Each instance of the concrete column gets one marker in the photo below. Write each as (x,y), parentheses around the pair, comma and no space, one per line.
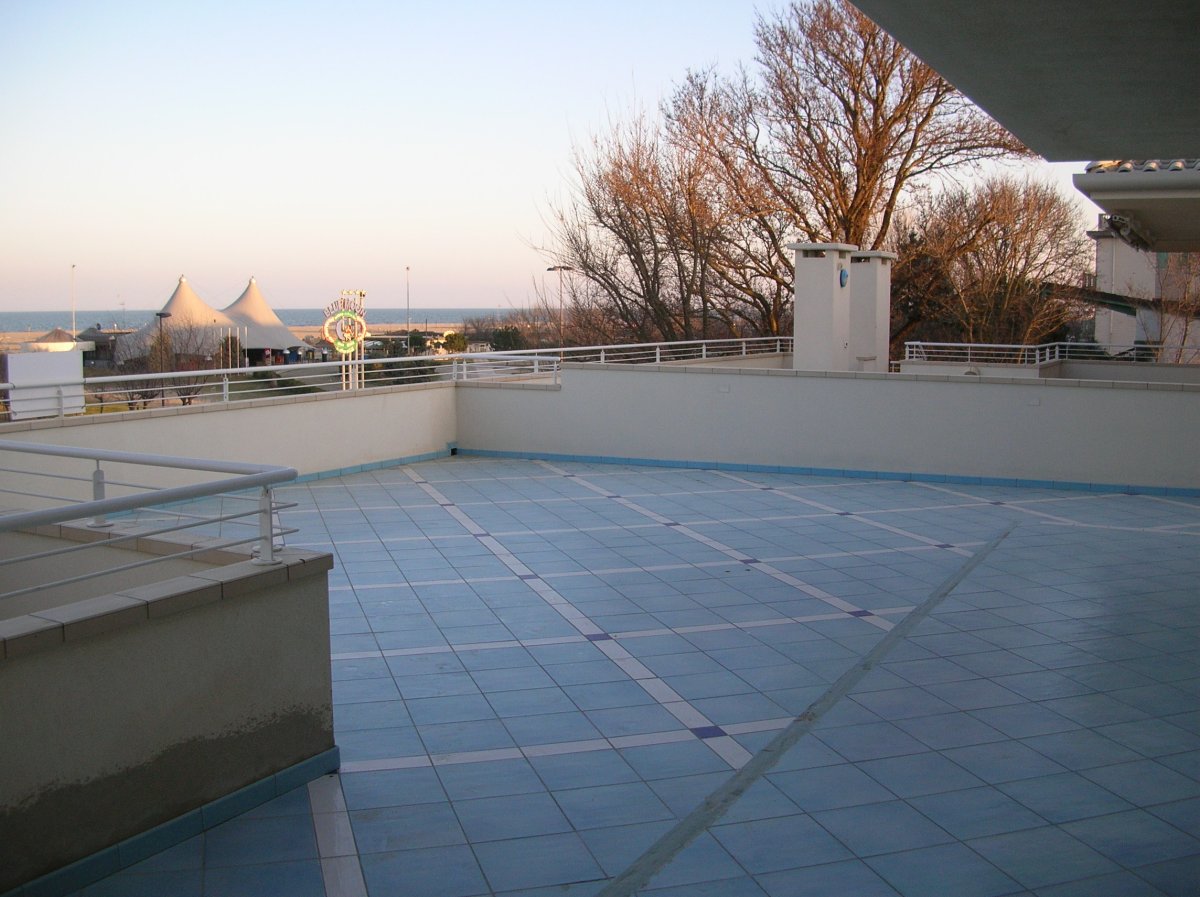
(870,310)
(822,307)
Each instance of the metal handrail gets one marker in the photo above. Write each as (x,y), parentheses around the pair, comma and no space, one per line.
(146,391)
(245,476)
(1044,353)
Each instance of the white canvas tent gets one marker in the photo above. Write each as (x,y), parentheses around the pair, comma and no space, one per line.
(196,328)
(260,326)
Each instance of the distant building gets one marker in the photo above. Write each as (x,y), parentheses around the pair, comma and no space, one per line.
(57,340)
(104,343)
(1144,297)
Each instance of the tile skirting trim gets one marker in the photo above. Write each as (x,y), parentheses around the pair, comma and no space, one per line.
(133,850)
(915,477)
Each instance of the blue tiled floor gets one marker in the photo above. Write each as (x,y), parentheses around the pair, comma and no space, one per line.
(542,671)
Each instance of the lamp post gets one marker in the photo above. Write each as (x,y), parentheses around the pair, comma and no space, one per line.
(162,390)
(561,269)
(407,314)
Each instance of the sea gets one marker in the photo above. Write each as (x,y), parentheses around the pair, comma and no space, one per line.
(131,319)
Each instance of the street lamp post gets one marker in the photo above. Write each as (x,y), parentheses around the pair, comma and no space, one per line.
(561,269)
(407,314)
(162,363)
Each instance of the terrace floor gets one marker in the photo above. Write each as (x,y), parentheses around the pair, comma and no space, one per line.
(580,679)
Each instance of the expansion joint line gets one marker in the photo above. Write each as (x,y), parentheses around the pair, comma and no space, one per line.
(713,807)
(717,740)
(1056,520)
(741,557)
(820,506)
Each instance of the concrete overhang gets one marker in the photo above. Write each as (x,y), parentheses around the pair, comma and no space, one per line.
(1159,207)
(1074,80)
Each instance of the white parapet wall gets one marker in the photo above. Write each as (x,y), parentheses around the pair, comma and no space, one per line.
(1067,431)
(313,433)
(1058,430)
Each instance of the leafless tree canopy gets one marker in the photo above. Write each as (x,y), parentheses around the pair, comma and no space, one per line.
(678,225)
(995,264)
(1179,306)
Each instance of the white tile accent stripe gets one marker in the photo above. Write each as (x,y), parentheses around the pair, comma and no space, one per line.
(341,870)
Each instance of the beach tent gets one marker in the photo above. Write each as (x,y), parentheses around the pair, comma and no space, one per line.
(194,326)
(260,327)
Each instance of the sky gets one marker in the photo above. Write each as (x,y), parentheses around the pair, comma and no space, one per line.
(319,147)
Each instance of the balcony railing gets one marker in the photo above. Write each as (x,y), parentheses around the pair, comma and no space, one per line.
(237,509)
(1002,353)
(140,392)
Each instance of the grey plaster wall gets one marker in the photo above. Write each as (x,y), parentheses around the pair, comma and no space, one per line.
(106,735)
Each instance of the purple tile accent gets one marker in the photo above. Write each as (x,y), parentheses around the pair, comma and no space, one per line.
(995,502)
(672,523)
(600,637)
(481,534)
(766,488)
(861,613)
(944,545)
(845,513)
(527,576)
(445,504)
(751,561)
(708,731)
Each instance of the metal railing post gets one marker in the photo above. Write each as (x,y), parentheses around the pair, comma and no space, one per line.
(658,354)
(100,520)
(704,350)
(266,529)
(58,397)
(225,389)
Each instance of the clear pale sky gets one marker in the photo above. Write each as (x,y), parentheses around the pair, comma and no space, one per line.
(316,146)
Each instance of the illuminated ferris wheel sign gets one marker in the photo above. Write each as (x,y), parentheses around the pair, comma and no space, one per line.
(346,321)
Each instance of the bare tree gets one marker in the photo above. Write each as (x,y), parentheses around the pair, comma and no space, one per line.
(188,349)
(1178,303)
(850,118)
(993,264)
(678,226)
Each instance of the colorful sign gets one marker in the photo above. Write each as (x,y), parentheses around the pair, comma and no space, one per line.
(346,322)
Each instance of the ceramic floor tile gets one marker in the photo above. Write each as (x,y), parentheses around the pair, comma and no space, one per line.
(536,862)
(787,842)
(881,828)
(431,872)
(1134,838)
(510,816)
(1039,725)
(1040,857)
(944,869)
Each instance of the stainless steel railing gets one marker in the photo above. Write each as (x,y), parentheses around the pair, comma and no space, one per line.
(1003,353)
(64,484)
(176,389)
